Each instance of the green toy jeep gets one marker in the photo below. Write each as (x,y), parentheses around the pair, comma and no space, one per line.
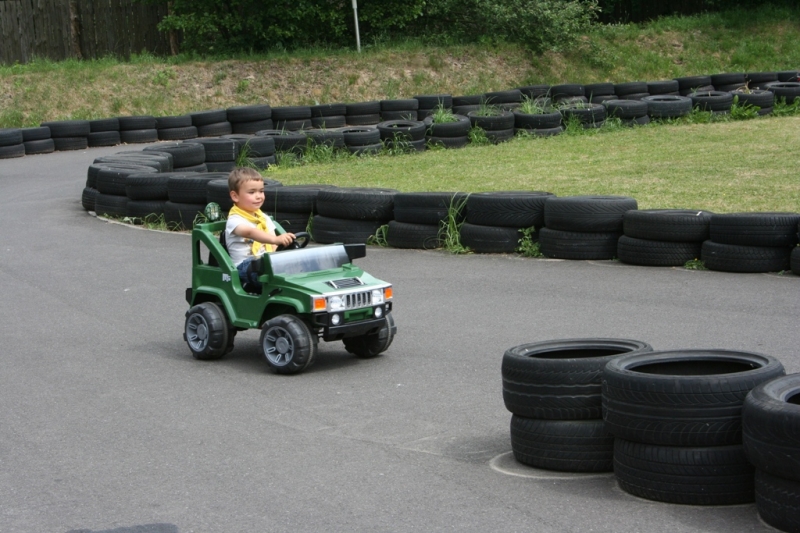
(306,294)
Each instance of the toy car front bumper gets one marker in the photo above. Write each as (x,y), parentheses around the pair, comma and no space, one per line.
(355,328)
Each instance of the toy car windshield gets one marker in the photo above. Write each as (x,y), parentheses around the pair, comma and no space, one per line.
(308,259)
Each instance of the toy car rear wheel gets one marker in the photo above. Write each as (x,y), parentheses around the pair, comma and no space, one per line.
(287,344)
(371,345)
(206,331)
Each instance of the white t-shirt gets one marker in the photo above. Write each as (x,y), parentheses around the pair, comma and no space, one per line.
(240,248)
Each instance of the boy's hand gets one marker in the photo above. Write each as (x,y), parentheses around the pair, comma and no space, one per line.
(285,239)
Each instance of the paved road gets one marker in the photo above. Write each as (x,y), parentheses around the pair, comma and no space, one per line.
(108,424)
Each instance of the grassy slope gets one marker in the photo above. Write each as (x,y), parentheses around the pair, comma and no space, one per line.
(734,41)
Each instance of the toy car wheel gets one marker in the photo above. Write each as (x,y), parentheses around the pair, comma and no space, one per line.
(287,344)
(366,346)
(206,331)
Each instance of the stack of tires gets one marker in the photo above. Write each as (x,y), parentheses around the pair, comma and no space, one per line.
(667,105)
(188,197)
(677,421)
(448,134)
(630,112)
(250,119)
(692,84)
(212,123)
(429,102)
(186,157)
(509,100)
(420,216)
(176,128)
(220,153)
(11,143)
(498,127)
(633,90)
(401,134)
(351,215)
(495,219)
(110,180)
(762,99)
(789,91)
(259,150)
(663,87)
(462,105)
(363,113)
(292,118)
(362,140)
(138,129)
(37,140)
(328,116)
(405,109)
(771,438)
(728,81)
(69,134)
(583,227)
(553,390)
(543,124)
(325,137)
(568,93)
(104,132)
(599,93)
(292,207)
(717,102)
(760,80)
(750,242)
(588,115)
(662,237)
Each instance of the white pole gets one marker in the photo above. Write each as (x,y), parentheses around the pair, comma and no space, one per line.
(358,36)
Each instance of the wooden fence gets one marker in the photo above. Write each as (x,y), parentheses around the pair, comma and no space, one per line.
(87,29)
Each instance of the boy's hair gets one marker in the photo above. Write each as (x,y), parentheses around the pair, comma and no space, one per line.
(239,175)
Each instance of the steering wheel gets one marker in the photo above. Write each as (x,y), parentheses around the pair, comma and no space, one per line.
(301,240)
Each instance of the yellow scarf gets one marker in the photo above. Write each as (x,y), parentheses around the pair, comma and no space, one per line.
(260,220)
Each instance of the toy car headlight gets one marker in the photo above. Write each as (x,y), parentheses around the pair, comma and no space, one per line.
(377,296)
(336,303)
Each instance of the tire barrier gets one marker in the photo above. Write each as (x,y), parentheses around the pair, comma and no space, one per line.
(553,390)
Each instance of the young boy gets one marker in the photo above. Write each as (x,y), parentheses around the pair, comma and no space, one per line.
(249,233)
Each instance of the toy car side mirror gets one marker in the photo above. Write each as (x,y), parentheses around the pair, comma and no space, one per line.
(355,251)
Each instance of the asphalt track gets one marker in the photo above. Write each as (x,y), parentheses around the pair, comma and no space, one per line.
(108,424)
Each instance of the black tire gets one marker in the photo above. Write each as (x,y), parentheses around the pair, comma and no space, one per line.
(755,229)
(175,121)
(668,106)
(143,122)
(328,110)
(148,186)
(111,205)
(138,136)
(327,230)
(35,134)
(206,331)
(728,78)
(490,239)
(11,137)
(373,344)
(771,427)
(467,100)
(68,128)
(756,79)
(254,146)
(428,208)
(112,180)
(778,501)
(408,114)
(142,210)
(690,83)
(248,113)
(736,258)
(161,162)
(331,138)
(717,475)
(63,144)
(196,168)
(567,90)
(399,105)
(656,253)
(458,129)
(183,154)
(413,236)
(361,136)
(293,199)
(95,168)
(286,141)
(356,203)
(291,222)
(630,87)
(336,121)
(180,216)
(43,146)
(559,244)
(363,108)
(431,101)
(788,90)
(634,97)
(250,128)
(221,166)
(287,344)
(204,118)
(404,130)
(562,445)
(191,188)
(535,91)
(217,129)
(363,120)
(794,259)
(663,87)
(789,75)
(758,98)
(673,225)
(447,142)
(291,113)
(561,379)
(626,109)
(88,197)
(503,121)
(587,114)
(15,150)
(177,134)
(512,209)
(682,397)
(592,90)
(218,149)
(712,100)
(104,138)
(587,213)
(465,109)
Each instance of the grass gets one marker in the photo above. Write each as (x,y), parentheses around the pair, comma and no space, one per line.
(767,38)
(721,166)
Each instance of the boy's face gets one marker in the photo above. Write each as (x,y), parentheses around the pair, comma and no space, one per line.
(250,195)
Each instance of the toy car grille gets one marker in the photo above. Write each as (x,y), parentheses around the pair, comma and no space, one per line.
(358,299)
(344,283)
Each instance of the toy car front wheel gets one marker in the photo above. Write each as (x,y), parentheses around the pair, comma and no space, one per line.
(366,346)
(206,331)
(287,344)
